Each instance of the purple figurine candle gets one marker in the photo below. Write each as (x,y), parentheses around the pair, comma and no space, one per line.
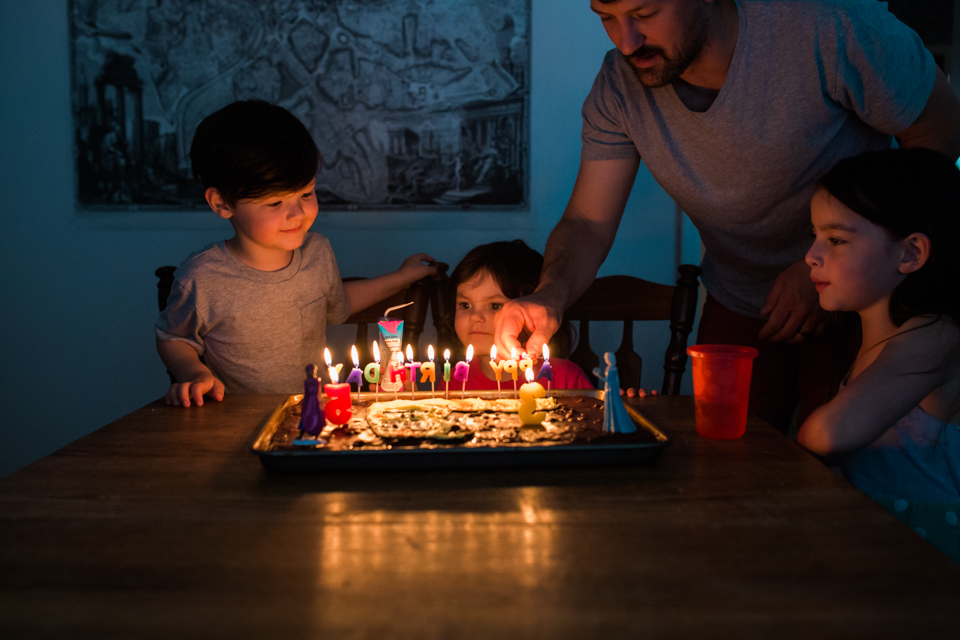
(311,414)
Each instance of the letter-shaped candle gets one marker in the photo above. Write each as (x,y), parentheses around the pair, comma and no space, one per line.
(528,401)
(356,375)
(372,371)
(446,372)
(338,402)
(462,371)
(412,367)
(546,371)
(428,371)
(510,366)
(497,367)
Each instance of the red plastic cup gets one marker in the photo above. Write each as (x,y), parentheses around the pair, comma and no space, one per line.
(721,388)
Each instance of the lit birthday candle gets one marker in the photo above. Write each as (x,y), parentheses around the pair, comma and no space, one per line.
(528,400)
(412,367)
(446,372)
(497,367)
(510,366)
(524,364)
(399,374)
(546,371)
(372,371)
(428,371)
(462,371)
(338,395)
(356,374)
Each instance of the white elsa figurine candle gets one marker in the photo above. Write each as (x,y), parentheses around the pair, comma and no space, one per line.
(615,416)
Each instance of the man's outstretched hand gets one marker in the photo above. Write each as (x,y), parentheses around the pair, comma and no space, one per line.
(793,307)
(534,316)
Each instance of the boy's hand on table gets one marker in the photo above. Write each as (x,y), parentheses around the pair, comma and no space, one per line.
(181,394)
(413,268)
(793,307)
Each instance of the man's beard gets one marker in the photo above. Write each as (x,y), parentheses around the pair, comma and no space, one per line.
(673,67)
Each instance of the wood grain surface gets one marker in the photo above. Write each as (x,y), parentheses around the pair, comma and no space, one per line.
(164,525)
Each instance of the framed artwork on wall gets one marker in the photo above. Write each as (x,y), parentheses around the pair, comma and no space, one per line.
(414,105)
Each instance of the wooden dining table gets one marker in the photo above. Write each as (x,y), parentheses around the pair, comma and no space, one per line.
(163,524)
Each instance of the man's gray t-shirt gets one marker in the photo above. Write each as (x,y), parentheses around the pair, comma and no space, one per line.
(257,330)
(810,82)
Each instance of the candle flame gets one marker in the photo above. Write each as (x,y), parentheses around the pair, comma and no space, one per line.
(469,353)
(334,375)
(493,353)
(513,353)
(376,352)
(326,356)
(409,353)
(400,357)
(446,355)
(356,358)
(529,374)
(430,352)
(546,353)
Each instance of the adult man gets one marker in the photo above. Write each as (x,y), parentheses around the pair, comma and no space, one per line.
(737,107)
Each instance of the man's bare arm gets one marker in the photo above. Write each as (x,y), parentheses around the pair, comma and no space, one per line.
(938,126)
(577,247)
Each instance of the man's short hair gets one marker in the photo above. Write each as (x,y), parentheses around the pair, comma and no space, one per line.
(251,149)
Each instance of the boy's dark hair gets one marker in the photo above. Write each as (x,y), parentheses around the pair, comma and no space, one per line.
(909,191)
(251,149)
(516,269)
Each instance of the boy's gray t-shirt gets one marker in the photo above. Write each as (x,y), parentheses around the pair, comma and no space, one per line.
(810,82)
(257,330)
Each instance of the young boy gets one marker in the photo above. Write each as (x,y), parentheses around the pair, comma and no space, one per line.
(256,306)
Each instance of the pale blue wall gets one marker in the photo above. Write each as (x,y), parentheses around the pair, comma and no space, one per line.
(78,291)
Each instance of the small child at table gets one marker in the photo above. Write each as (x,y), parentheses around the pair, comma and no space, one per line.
(887,227)
(486,278)
(256,306)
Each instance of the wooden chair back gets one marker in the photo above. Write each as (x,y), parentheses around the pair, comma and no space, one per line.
(627,299)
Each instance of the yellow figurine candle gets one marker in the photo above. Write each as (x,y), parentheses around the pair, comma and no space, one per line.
(528,401)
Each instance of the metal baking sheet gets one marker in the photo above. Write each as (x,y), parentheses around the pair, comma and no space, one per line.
(589,454)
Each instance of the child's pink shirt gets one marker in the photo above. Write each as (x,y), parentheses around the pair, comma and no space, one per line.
(566,375)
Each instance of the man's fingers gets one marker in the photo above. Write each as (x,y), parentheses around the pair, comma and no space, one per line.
(509,325)
(535,343)
(789,331)
(775,324)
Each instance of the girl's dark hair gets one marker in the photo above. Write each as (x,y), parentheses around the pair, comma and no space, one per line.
(251,149)
(909,191)
(516,269)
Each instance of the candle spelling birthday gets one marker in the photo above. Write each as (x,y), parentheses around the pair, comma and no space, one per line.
(497,368)
(546,371)
(462,370)
(412,367)
(510,366)
(446,372)
(372,371)
(428,371)
(356,374)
